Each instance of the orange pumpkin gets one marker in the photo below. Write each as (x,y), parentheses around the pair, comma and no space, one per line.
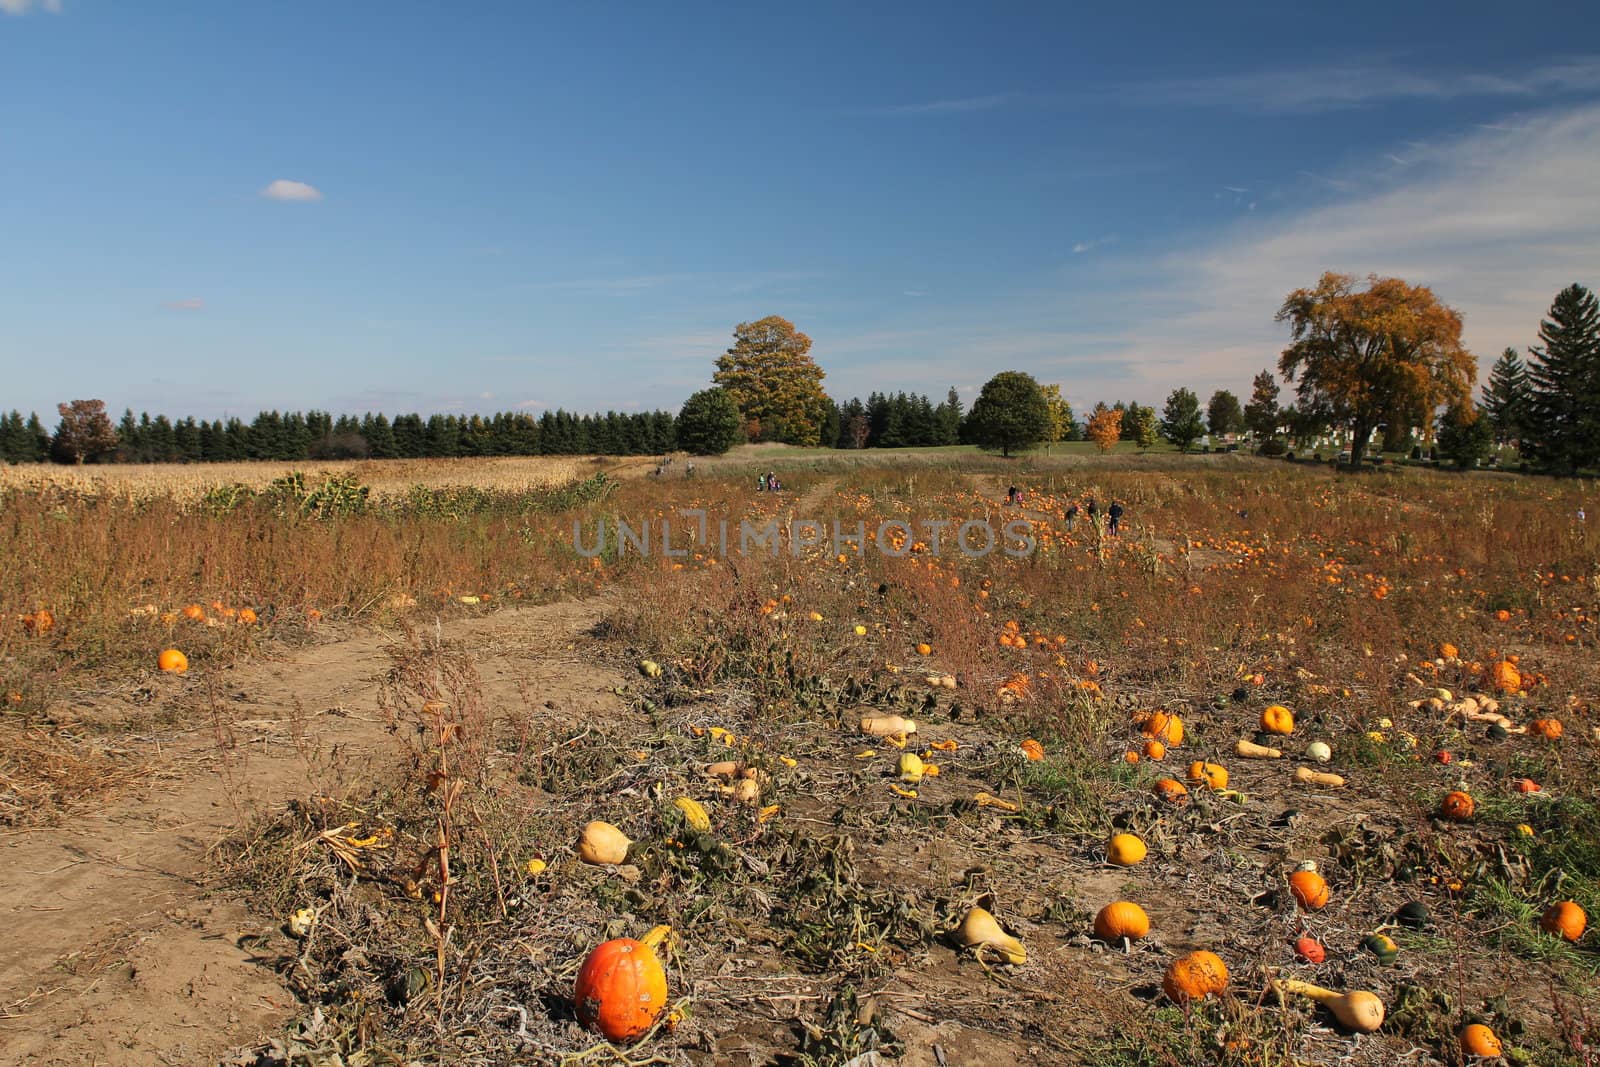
(39,622)
(1164,726)
(1310,949)
(621,987)
(1478,1040)
(1502,676)
(1211,775)
(1172,791)
(1567,920)
(1549,729)
(924,649)
(1154,749)
(1032,749)
(172,661)
(1527,785)
(1277,719)
(1310,890)
(246,616)
(1194,977)
(1121,919)
(194,613)
(1448,651)
(1457,806)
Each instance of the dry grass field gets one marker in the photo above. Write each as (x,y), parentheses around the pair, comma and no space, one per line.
(349,831)
(386,478)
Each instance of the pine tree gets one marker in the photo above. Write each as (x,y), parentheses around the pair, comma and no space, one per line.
(1506,397)
(1262,415)
(1563,417)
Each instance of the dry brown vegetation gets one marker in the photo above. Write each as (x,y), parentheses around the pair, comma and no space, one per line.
(814,924)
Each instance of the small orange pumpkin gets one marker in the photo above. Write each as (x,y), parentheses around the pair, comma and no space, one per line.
(1448,651)
(246,616)
(171,661)
(1125,850)
(1277,719)
(1164,726)
(1211,775)
(1154,749)
(194,613)
(1478,1040)
(1527,785)
(621,987)
(1121,919)
(1549,729)
(1566,919)
(924,649)
(1310,949)
(39,622)
(1457,806)
(1172,791)
(1194,977)
(1309,889)
(1032,749)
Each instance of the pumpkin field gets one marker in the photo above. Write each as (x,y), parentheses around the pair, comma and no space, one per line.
(1294,768)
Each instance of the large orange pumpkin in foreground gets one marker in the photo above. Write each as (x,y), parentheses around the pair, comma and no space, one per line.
(621,987)
(1195,977)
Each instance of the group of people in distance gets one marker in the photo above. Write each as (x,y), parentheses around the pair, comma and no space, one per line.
(768,483)
(1015,497)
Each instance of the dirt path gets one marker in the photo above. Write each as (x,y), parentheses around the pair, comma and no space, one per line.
(115,952)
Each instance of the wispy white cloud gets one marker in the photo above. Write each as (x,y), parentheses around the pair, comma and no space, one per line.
(531,405)
(957,106)
(1496,222)
(192,303)
(284,189)
(22,7)
(1089,246)
(1335,88)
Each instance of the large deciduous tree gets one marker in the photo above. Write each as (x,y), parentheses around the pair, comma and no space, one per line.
(1368,356)
(1507,396)
(1262,416)
(776,384)
(1180,419)
(1223,414)
(1010,414)
(1563,431)
(709,423)
(85,433)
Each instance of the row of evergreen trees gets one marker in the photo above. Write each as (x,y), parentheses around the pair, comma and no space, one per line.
(313,435)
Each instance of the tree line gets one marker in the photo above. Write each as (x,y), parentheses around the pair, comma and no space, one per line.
(1385,358)
(86,434)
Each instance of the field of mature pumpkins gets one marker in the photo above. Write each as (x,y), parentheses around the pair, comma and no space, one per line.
(1295,769)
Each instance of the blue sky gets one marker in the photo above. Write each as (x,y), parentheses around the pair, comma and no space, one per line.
(216,208)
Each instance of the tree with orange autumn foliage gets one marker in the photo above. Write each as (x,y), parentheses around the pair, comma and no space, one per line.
(1105,428)
(1366,356)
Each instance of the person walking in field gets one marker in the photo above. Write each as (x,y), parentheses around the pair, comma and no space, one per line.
(1072,514)
(1113,517)
(1093,511)
(1011,495)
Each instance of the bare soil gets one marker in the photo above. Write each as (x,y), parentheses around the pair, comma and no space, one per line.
(117,951)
